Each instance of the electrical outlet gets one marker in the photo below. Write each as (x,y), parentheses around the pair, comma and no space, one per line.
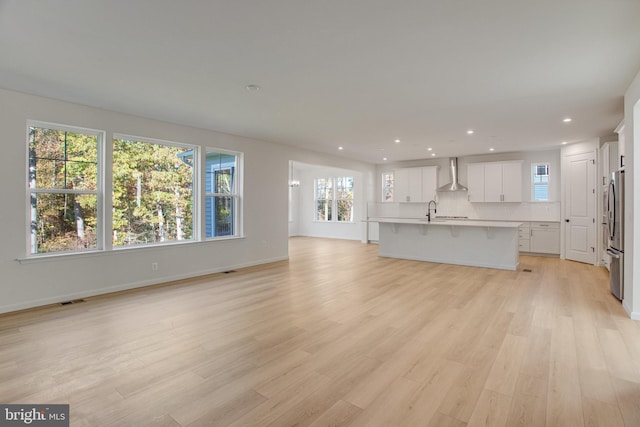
(154,266)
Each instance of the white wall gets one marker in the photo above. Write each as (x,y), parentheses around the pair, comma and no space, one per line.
(631,300)
(39,282)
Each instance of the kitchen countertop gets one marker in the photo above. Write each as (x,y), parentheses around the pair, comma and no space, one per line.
(449,222)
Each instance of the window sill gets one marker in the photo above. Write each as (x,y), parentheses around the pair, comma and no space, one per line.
(334,222)
(116,250)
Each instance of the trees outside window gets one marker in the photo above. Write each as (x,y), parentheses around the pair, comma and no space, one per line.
(387,187)
(63,180)
(334,195)
(152,192)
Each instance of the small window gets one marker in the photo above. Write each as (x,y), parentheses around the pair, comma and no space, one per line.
(387,187)
(334,199)
(222,197)
(540,182)
(324,199)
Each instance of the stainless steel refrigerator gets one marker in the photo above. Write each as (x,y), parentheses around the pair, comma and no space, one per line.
(615,220)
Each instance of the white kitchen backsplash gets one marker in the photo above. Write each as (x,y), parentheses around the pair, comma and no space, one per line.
(456,204)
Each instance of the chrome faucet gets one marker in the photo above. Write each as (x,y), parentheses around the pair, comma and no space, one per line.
(435,209)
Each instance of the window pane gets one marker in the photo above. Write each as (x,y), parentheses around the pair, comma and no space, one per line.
(344,187)
(62,160)
(541,192)
(324,188)
(540,181)
(220,169)
(63,222)
(152,193)
(220,216)
(387,187)
(323,210)
(345,210)
(220,179)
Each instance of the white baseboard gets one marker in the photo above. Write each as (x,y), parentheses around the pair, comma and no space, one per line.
(635,315)
(133,285)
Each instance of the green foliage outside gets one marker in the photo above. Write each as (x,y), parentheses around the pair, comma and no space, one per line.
(61,161)
(152,192)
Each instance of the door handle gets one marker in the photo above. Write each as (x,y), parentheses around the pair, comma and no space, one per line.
(613,254)
(566,220)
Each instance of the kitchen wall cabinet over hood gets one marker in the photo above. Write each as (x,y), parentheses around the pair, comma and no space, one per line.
(453,184)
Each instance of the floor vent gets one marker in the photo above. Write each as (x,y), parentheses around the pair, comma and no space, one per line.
(527,270)
(75,301)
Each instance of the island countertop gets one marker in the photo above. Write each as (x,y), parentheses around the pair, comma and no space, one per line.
(450,222)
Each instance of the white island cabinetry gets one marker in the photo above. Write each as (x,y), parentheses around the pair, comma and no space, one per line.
(492,244)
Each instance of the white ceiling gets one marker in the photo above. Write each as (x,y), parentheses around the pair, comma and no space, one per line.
(357,73)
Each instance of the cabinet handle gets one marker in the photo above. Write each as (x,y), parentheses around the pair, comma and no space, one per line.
(531,232)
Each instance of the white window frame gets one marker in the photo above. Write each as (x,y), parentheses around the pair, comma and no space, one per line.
(334,200)
(104,188)
(98,192)
(236,194)
(384,183)
(534,174)
(196,236)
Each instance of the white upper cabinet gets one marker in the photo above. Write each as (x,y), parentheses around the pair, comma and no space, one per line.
(512,182)
(475,182)
(415,185)
(495,182)
(429,183)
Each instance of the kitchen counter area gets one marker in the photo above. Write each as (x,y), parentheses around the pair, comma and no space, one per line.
(478,243)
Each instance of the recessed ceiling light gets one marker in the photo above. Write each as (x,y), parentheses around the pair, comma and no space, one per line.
(384,158)
(564,142)
(429,149)
(397,141)
(566,119)
(492,149)
(341,148)
(252,88)
(470,132)
(433,154)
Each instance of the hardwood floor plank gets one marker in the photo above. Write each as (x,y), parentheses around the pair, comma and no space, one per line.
(492,410)
(337,336)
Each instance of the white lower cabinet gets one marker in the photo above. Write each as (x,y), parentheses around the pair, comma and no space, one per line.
(540,237)
(524,233)
(545,237)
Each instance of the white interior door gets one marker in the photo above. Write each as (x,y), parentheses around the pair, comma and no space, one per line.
(580,208)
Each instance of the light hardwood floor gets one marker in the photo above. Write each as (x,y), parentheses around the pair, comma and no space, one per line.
(337,337)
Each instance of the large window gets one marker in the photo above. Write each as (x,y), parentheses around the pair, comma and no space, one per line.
(222,195)
(334,195)
(159,192)
(387,187)
(64,188)
(152,192)
(540,182)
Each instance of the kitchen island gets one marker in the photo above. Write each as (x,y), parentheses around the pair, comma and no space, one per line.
(492,244)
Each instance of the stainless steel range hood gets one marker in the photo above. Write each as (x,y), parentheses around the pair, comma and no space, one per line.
(453,185)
